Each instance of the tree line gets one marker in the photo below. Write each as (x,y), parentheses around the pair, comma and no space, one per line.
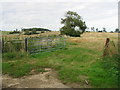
(103,30)
(30,31)
(73,25)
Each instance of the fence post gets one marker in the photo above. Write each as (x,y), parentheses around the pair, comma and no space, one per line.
(106,47)
(26,44)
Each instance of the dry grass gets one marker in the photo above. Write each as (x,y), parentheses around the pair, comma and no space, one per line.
(21,37)
(93,40)
(100,35)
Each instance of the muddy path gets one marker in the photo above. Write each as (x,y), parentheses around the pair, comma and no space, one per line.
(42,80)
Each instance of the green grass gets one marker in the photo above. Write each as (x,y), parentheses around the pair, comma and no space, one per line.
(10,56)
(16,69)
(100,77)
(70,64)
(5,32)
(72,44)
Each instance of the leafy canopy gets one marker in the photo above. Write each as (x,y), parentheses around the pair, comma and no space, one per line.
(73,24)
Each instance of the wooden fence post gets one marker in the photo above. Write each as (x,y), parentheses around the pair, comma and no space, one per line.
(105,53)
(26,44)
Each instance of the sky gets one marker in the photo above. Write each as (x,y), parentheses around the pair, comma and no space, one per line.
(17,14)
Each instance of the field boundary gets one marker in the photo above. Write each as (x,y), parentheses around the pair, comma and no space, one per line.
(34,44)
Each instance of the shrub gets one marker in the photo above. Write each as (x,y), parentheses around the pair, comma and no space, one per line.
(42,31)
(14,32)
(27,32)
(11,46)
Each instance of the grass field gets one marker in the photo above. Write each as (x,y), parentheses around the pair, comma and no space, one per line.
(81,60)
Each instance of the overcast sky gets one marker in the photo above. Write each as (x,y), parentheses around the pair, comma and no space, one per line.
(48,13)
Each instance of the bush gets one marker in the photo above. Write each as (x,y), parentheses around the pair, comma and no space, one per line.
(42,31)
(14,32)
(111,32)
(11,46)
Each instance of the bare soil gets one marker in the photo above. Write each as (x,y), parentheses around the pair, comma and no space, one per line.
(42,80)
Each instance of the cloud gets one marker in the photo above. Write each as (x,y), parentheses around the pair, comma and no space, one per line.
(110,23)
(48,14)
(59,1)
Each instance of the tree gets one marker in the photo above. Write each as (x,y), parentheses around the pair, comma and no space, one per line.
(93,29)
(15,32)
(27,32)
(111,32)
(104,30)
(117,30)
(96,29)
(34,31)
(73,24)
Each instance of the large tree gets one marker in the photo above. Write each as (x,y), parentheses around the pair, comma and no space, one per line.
(73,24)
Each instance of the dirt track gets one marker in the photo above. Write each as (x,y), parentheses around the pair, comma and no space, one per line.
(41,80)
